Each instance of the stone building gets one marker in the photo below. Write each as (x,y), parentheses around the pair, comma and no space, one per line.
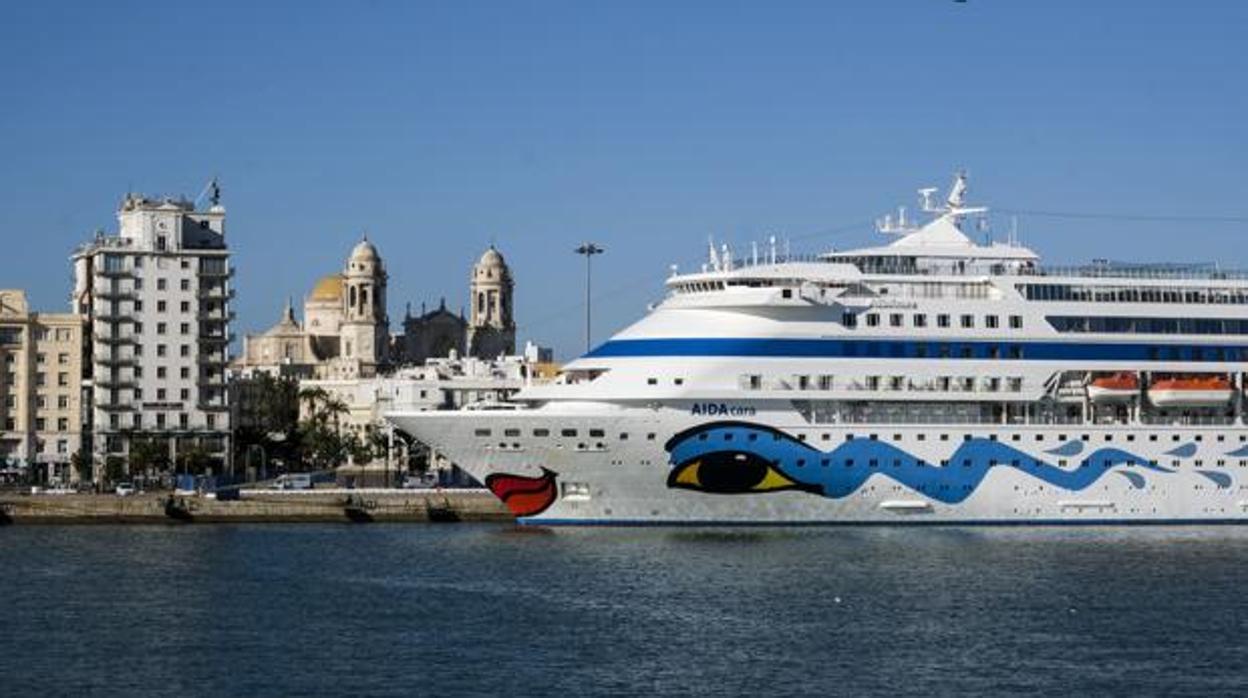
(434,334)
(41,400)
(491,325)
(157,297)
(345,333)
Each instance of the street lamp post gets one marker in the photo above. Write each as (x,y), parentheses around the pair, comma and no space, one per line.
(588,249)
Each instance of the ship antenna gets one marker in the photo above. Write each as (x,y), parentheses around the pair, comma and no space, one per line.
(772,240)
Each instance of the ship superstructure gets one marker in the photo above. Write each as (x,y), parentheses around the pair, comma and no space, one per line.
(931,379)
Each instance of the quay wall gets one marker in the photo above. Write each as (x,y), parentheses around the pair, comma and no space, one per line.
(256,506)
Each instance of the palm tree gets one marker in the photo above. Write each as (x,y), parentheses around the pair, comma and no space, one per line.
(313,396)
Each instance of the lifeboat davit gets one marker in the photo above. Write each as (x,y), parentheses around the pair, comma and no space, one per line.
(1204,391)
(1118,387)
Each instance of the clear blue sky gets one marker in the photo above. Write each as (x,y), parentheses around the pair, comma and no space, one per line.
(438,127)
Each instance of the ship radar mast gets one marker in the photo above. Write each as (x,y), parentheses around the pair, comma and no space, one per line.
(954,209)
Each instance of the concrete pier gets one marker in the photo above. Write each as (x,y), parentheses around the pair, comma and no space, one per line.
(256,506)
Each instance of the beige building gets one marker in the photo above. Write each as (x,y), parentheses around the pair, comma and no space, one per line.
(41,397)
(345,333)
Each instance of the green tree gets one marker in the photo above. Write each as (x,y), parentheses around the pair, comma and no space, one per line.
(114,469)
(80,461)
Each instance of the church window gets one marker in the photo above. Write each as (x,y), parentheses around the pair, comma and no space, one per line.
(363,298)
(352,301)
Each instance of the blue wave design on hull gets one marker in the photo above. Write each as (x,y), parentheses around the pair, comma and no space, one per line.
(850,464)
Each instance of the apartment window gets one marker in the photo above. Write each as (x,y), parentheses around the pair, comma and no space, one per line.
(160,420)
(62,424)
(184,420)
(185,307)
(138,306)
(160,350)
(138,328)
(185,350)
(186,264)
(184,394)
(184,372)
(942,320)
(1016,322)
(160,284)
(185,328)
(41,358)
(161,306)
(41,402)
(968,321)
(185,284)
(161,328)
(62,402)
(160,371)
(40,379)
(62,380)
(62,359)
(990,321)
(40,424)
(160,394)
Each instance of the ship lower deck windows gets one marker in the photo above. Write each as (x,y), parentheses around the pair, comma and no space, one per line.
(652,381)
(541,432)
(570,433)
(482,432)
(511,432)
(942,320)
(1016,322)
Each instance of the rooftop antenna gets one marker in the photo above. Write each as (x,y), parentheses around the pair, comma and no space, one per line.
(925,200)
(713,255)
(772,241)
(212,190)
(754,253)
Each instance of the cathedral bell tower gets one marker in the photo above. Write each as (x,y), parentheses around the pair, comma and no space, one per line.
(365,328)
(491,327)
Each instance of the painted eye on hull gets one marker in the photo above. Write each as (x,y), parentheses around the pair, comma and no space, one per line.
(732,472)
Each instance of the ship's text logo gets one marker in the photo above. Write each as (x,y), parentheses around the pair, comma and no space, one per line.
(721,409)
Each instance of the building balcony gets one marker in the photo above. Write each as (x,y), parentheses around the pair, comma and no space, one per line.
(222,294)
(115,406)
(214,338)
(215,316)
(212,407)
(126,338)
(115,383)
(112,360)
(213,359)
(216,273)
(114,273)
(113,295)
(115,316)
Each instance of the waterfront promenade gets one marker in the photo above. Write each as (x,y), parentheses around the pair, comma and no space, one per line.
(256,506)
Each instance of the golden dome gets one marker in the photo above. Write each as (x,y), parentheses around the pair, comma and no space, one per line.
(329,288)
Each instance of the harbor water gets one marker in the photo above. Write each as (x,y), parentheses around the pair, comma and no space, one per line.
(473,609)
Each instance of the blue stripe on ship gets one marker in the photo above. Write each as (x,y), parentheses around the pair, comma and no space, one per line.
(932,349)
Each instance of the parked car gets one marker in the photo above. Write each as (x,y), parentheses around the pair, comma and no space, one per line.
(293,481)
(124,489)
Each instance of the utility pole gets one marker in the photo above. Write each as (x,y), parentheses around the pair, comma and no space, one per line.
(588,249)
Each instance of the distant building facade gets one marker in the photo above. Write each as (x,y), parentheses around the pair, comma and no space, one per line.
(41,398)
(345,333)
(157,301)
(491,325)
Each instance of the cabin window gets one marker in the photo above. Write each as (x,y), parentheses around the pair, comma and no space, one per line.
(894,320)
(787,293)
(652,381)
(942,320)
(873,320)
(849,320)
(568,432)
(511,432)
(968,321)
(482,432)
(596,433)
(541,432)
(1016,322)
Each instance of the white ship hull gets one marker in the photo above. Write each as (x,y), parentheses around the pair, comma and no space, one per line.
(627,482)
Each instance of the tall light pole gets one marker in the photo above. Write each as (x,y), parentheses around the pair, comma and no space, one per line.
(588,249)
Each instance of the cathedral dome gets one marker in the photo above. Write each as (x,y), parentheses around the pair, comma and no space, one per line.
(491,258)
(364,252)
(329,288)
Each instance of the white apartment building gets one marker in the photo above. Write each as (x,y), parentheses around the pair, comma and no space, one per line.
(157,299)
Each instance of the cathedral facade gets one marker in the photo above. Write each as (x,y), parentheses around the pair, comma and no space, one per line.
(345,332)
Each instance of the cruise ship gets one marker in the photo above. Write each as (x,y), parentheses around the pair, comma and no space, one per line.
(932,379)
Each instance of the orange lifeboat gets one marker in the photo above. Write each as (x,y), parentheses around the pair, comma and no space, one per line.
(1116,387)
(1193,391)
